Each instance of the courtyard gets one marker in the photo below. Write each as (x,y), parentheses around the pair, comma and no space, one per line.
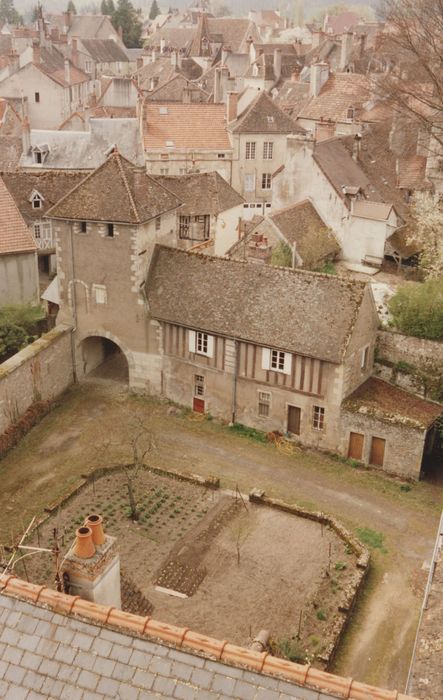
(396,520)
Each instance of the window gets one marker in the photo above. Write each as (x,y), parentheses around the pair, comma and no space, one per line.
(169,143)
(221,155)
(201,343)
(250,150)
(270,120)
(37,230)
(36,97)
(364,357)
(164,171)
(99,291)
(158,223)
(268,148)
(110,230)
(250,182)
(318,418)
(184,227)
(83,227)
(88,66)
(264,402)
(350,114)
(162,110)
(36,201)
(276,360)
(38,158)
(199,385)
(266,181)
(182,171)
(164,156)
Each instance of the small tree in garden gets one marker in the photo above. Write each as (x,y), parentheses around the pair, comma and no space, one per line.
(281,255)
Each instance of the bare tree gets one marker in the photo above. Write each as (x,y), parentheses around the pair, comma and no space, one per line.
(413,81)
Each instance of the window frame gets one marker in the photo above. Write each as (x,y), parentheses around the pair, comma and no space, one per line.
(318,418)
(100,294)
(199,385)
(268,150)
(250,150)
(266,181)
(264,404)
(110,230)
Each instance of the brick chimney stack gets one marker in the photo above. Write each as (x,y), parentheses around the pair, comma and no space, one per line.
(231,106)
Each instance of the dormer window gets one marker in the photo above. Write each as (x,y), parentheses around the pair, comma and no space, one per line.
(270,120)
(36,199)
(39,153)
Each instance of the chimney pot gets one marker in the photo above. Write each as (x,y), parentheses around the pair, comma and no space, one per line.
(84,546)
(95,523)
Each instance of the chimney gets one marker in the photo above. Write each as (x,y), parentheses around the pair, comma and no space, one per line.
(26,136)
(139,62)
(66,22)
(226,50)
(363,38)
(14,62)
(231,106)
(346,47)
(67,71)
(92,566)
(186,95)
(277,64)
(55,34)
(162,45)
(319,75)
(36,58)
(74,52)
(317,38)
(356,146)
(174,60)
(220,83)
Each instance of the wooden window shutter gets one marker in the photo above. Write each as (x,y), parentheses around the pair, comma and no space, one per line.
(288,363)
(210,346)
(191,337)
(266,358)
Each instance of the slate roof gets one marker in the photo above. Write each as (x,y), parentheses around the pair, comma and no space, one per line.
(301,224)
(343,22)
(290,63)
(202,193)
(235,299)
(340,91)
(263,116)
(14,234)
(105,50)
(52,64)
(199,125)
(86,150)
(175,37)
(117,191)
(292,97)
(234,31)
(389,403)
(52,185)
(163,70)
(335,161)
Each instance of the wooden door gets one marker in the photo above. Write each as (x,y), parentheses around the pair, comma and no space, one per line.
(198,405)
(377,457)
(294,415)
(355,450)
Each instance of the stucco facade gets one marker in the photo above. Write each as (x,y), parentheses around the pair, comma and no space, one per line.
(19,279)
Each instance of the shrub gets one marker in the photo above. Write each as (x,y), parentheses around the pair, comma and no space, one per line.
(281,255)
(417,309)
(321,615)
(252,433)
(291,649)
(19,325)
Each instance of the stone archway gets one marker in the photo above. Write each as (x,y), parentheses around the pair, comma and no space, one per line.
(102,357)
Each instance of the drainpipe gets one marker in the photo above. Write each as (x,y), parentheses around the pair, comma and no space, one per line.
(74,309)
(234,384)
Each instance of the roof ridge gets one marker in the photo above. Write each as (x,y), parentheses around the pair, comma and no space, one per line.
(189,641)
(116,154)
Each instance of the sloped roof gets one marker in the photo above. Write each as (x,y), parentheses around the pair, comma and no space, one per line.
(234,31)
(340,92)
(117,191)
(14,234)
(52,63)
(275,307)
(198,125)
(201,34)
(172,91)
(202,193)
(51,184)
(105,50)
(292,97)
(301,224)
(340,168)
(365,209)
(175,37)
(343,22)
(391,404)
(263,116)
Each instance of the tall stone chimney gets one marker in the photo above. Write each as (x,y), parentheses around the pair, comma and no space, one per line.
(346,48)
(74,52)
(277,64)
(66,22)
(226,50)
(319,75)
(67,71)
(13,62)
(36,57)
(91,569)
(221,77)
(162,45)
(231,106)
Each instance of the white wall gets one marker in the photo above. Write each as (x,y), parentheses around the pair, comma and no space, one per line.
(52,108)
(226,229)
(18,279)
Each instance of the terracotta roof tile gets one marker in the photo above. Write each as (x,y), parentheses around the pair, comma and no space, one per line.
(301,224)
(389,403)
(340,168)
(52,185)
(264,116)
(202,193)
(341,91)
(14,234)
(193,126)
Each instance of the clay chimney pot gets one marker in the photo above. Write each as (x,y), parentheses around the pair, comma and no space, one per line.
(84,546)
(95,523)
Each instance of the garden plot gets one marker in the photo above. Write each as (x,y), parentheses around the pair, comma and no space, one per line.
(240,567)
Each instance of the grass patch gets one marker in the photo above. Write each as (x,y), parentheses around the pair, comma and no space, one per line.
(251,433)
(371,538)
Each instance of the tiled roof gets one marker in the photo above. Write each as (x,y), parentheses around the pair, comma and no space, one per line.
(172,91)
(292,97)
(162,70)
(263,116)
(201,35)
(412,173)
(234,31)
(387,402)
(263,67)
(234,299)
(371,210)
(301,224)
(340,168)
(199,125)
(61,646)
(202,193)
(340,92)
(105,50)
(52,64)
(116,192)
(52,185)
(14,234)
(175,37)
(343,22)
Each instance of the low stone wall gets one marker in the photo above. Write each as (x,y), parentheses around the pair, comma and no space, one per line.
(38,373)
(362,566)
(415,364)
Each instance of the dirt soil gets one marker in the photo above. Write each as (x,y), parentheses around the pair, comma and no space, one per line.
(67,443)
(242,567)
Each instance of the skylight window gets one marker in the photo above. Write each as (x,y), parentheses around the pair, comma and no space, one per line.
(169,143)
(270,120)
(163,110)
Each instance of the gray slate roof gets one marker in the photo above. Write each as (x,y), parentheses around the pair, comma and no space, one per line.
(282,308)
(105,50)
(46,655)
(341,170)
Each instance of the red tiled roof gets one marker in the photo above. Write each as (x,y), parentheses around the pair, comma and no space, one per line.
(199,125)
(14,234)
(340,92)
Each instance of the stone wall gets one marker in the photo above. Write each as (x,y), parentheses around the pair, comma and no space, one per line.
(39,372)
(414,364)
